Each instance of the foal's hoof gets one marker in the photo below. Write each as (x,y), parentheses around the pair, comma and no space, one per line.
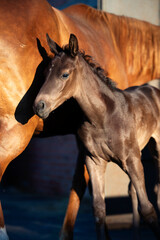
(3,234)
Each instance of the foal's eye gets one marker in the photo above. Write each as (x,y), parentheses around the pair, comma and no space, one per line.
(65,75)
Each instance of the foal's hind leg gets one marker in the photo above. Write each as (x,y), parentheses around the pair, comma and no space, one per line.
(157,158)
(135,171)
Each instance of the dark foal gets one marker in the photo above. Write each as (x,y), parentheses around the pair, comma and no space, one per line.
(117,124)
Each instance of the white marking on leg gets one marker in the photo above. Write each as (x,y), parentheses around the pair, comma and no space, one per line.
(3,234)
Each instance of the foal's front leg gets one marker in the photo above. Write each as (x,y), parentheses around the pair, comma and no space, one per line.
(135,171)
(96,170)
(136,216)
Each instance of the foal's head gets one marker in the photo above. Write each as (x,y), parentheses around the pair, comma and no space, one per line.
(60,80)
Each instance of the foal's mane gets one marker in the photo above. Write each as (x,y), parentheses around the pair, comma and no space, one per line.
(95,67)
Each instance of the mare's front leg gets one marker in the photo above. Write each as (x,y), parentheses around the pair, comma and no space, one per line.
(135,171)
(14,137)
(3,233)
(96,169)
(79,184)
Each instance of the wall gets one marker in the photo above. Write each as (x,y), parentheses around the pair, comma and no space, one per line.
(142,9)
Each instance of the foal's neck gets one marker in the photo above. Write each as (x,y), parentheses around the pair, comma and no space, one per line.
(92,94)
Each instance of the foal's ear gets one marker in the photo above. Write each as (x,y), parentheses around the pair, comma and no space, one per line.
(54,47)
(42,50)
(73,45)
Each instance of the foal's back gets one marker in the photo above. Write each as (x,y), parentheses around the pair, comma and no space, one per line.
(145,103)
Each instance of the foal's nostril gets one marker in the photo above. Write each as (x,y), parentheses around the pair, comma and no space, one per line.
(41,105)
(39,108)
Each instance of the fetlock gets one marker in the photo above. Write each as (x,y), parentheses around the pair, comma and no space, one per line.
(151,219)
(150,216)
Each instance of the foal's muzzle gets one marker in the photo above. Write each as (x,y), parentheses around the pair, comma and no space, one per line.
(40,109)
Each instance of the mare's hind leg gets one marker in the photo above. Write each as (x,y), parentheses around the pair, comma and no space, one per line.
(135,171)
(79,184)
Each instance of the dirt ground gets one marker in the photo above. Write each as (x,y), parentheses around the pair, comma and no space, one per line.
(33,217)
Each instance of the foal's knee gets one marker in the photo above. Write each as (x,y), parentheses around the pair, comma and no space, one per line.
(99,211)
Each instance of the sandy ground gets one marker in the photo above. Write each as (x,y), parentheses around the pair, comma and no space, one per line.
(32,217)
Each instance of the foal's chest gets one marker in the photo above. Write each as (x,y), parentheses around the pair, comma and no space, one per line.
(97,141)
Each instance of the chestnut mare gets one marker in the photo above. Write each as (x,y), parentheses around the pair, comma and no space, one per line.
(130,55)
(116,126)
